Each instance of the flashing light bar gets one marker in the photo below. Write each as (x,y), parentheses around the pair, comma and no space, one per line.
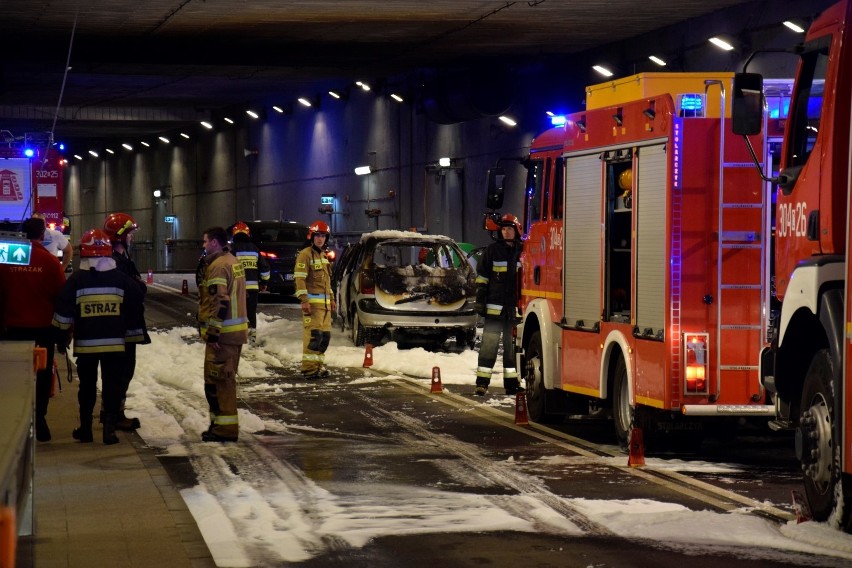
(558,120)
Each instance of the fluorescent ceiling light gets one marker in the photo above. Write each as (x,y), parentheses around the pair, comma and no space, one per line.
(334,94)
(305,102)
(507,120)
(721,44)
(657,60)
(363,85)
(93,153)
(396,97)
(164,140)
(185,135)
(277,108)
(795,27)
(228,120)
(206,125)
(78,156)
(602,70)
(109,150)
(362,170)
(146,144)
(252,114)
(127,146)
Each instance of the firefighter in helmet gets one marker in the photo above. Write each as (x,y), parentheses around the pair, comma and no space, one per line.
(257,272)
(101,305)
(120,228)
(497,301)
(313,288)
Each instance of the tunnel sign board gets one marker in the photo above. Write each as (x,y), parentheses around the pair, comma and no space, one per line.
(14,251)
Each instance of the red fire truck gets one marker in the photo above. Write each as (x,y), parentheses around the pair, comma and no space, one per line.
(31,180)
(645,268)
(807,365)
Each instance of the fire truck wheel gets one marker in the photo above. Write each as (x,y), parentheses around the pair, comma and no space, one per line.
(817,437)
(622,411)
(544,406)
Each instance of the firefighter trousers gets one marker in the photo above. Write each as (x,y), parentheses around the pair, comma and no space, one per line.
(220,388)
(315,338)
(496,329)
(112,374)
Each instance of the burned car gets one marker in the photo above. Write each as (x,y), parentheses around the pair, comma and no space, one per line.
(405,286)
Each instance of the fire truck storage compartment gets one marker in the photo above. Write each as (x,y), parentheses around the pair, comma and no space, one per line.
(582,282)
(651,204)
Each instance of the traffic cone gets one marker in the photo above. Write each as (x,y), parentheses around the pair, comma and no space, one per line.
(636,448)
(521,415)
(184,289)
(368,355)
(800,507)
(150,279)
(436,380)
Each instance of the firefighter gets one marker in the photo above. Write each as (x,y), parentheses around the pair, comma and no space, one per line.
(224,329)
(496,301)
(257,272)
(313,288)
(99,304)
(120,227)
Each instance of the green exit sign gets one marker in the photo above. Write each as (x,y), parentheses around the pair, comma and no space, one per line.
(15,252)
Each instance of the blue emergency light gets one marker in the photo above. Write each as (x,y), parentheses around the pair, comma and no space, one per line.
(29,152)
(693,103)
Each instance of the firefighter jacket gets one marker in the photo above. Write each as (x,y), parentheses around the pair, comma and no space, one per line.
(126,265)
(497,278)
(28,293)
(222,300)
(99,305)
(313,277)
(255,265)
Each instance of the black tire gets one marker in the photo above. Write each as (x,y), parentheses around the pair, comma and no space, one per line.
(358,333)
(819,437)
(622,412)
(541,402)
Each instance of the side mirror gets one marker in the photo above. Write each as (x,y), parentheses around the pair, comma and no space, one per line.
(489,222)
(494,190)
(747,104)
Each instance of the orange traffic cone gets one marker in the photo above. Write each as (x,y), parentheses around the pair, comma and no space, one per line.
(636,448)
(521,414)
(368,355)
(800,507)
(436,380)
(8,536)
(184,289)
(150,279)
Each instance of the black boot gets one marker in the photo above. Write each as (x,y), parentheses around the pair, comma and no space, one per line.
(42,432)
(109,429)
(84,432)
(126,424)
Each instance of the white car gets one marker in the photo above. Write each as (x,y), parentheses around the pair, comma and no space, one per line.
(406,286)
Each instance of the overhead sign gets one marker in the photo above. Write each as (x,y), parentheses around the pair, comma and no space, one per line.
(15,252)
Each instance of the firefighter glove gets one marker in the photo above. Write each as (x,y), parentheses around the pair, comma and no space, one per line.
(306,308)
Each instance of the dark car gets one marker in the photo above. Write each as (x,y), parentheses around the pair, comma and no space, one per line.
(408,286)
(279,242)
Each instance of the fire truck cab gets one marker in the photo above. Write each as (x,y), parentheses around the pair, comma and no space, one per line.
(807,365)
(31,180)
(645,267)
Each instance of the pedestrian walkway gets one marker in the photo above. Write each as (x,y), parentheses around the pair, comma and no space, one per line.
(98,505)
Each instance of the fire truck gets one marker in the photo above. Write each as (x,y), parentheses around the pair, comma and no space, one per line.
(645,269)
(31,180)
(807,364)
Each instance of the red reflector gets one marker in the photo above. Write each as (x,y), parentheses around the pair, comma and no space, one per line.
(268,254)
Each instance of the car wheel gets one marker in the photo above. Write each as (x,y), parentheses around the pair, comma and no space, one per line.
(358,332)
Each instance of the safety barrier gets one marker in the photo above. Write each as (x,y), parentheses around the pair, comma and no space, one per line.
(17,397)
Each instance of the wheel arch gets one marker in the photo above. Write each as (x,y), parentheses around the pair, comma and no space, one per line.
(615,347)
(539,316)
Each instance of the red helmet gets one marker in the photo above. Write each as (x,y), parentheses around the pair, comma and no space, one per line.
(240,227)
(318,227)
(509,220)
(118,226)
(95,242)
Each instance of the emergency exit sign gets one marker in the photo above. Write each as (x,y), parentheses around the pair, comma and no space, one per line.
(15,252)
(169,219)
